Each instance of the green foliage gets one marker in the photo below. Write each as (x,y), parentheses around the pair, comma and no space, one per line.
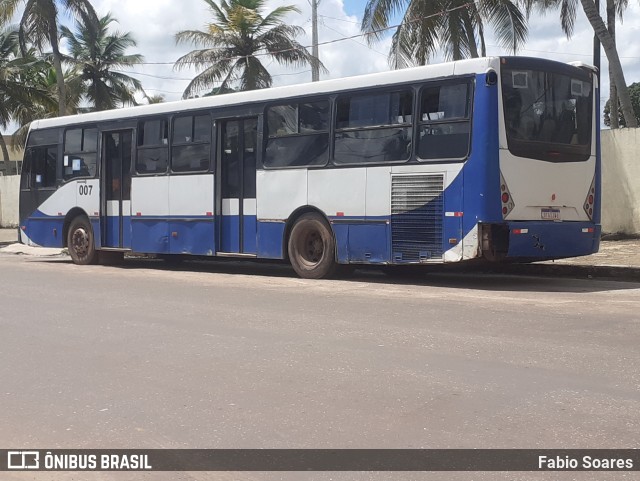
(455,26)
(95,56)
(634,93)
(234,44)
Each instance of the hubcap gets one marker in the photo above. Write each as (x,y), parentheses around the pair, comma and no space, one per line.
(80,242)
(314,247)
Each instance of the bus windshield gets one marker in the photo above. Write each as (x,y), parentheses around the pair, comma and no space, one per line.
(548,115)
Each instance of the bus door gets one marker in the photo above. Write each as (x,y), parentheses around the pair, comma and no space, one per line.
(236,192)
(116,189)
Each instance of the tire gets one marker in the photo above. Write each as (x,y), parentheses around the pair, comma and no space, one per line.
(312,248)
(80,242)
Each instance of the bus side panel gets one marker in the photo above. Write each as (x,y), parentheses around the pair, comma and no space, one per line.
(44,231)
(192,225)
(452,221)
(270,239)
(340,194)
(376,234)
(44,226)
(149,214)
(279,194)
(482,170)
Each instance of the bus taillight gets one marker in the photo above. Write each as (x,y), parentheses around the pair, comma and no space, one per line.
(589,201)
(507,200)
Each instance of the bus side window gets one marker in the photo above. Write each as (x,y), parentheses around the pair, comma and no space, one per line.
(39,168)
(80,149)
(25,179)
(374,127)
(153,146)
(445,127)
(297,135)
(191,143)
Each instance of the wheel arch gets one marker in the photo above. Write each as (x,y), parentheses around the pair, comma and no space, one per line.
(291,221)
(68,219)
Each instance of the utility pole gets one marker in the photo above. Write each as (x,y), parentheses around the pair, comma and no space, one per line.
(596,51)
(315,68)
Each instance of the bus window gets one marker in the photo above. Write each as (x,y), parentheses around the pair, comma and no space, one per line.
(80,147)
(374,128)
(297,135)
(190,144)
(153,146)
(445,125)
(40,167)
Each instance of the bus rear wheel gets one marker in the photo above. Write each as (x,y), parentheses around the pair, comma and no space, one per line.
(312,248)
(80,242)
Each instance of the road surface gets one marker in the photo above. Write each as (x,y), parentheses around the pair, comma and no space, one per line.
(233,355)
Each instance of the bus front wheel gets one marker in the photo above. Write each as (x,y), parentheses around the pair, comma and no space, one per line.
(312,248)
(80,242)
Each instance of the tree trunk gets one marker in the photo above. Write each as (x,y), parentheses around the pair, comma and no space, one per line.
(5,151)
(614,117)
(471,38)
(601,31)
(483,45)
(57,64)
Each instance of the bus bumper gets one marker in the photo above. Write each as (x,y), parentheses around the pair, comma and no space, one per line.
(552,240)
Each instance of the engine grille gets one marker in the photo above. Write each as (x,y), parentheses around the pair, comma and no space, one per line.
(416,217)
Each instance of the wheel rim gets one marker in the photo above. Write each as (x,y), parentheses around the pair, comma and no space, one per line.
(311,247)
(80,242)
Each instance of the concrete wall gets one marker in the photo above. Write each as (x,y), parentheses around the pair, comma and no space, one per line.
(9,190)
(621,181)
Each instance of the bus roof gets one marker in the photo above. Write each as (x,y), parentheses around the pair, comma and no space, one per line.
(460,67)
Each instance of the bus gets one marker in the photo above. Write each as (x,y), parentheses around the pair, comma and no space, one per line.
(491,158)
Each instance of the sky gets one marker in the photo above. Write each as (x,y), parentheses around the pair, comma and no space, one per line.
(154,23)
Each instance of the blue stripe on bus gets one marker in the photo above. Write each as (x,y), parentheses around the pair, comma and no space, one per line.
(480,175)
(192,237)
(45,230)
(552,240)
(249,234)
(112,236)
(270,240)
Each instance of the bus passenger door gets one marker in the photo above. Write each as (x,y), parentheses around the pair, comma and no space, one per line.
(236,193)
(116,203)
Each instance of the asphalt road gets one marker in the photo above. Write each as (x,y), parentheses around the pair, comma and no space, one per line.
(227,355)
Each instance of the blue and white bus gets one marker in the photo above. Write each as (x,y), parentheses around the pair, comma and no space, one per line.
(494,158)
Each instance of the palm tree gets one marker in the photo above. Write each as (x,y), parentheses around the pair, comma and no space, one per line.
(22,96)
(615,8)
(155,99)
(10,90)
(42,78)
(452,25)
(39,25)
(568,9)
(234,42)
(96,55)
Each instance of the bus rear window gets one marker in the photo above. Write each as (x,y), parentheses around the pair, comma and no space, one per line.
(547,115)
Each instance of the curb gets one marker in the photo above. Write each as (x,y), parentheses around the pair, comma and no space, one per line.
(616,273)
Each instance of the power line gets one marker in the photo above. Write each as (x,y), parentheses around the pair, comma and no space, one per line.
(354,40)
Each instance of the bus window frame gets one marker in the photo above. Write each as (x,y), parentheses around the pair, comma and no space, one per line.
(330,99)
(470,80)
(62,148)
(212,141)
(139,121)
(401,87)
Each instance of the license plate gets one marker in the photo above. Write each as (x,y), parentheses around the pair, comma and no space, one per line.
(550,214)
